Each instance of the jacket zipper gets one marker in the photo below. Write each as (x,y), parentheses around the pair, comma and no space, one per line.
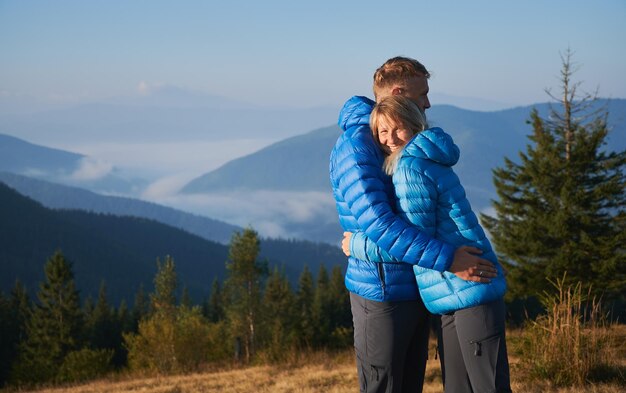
(381,274)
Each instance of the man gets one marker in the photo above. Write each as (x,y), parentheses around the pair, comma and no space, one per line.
(390,321)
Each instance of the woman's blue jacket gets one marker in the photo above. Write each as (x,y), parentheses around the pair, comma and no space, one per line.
(429,195)
(362,193)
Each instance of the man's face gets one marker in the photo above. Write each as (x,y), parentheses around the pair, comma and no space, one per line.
(416,89)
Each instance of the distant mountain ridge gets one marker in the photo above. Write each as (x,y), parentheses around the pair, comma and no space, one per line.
(301,163)
(293,164)
(17,155)
(165,114)
(56,196)
(123,250)
(25,158)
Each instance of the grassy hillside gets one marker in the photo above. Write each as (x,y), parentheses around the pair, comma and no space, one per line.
(319,372)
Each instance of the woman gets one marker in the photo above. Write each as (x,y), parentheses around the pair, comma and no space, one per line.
(430,196)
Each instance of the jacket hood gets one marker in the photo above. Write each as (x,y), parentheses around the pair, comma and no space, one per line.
(433,144)
(355,112)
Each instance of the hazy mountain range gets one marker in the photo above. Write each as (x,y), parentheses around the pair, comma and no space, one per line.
(282,190)
(122,250)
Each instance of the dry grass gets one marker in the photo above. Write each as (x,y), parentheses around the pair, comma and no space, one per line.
(319,372)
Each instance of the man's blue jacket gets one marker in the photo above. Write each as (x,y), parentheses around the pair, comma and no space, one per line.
(362,194)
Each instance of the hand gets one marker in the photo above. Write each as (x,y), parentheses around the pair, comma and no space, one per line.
(468,266)
(345,243)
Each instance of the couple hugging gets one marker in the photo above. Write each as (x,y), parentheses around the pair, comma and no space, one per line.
(417,253)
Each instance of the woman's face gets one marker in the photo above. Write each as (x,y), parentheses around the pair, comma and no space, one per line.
(393,135)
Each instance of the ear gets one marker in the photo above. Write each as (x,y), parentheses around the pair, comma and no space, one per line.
(396,91)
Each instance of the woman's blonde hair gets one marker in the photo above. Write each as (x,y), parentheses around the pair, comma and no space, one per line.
(399,110)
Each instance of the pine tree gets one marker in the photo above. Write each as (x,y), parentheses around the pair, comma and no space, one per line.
(321,308)
(54,328)
(14,313)
(214,307)
(141,307)
(243,289)
(561,209)
(101,323)
(163,300)
(341,314)
(304,307)
(278,307)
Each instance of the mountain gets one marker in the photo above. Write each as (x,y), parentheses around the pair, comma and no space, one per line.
(298,163)
(286,187)
(56,196)
(123,251)
(301,163)
(21,157)
(164,114)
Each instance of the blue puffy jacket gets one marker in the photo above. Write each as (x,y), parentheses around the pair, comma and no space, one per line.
(430,196)
(363,193)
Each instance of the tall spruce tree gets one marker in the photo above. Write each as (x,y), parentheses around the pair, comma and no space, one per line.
(304,304)
(561,208)
(55,326)
(163,299)
(213,308)
(14,313)
(101,323)
(341,315)
(243,289)
(278,318)
(322,308)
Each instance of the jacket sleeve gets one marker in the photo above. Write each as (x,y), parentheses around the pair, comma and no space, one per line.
(363,248)
(359,177)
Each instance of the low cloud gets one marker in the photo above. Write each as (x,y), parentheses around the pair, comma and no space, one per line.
(271,213)
(171,158)
(166,187)
(91,169)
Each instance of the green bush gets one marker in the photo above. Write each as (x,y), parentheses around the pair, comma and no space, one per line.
(85,364)
(176,342)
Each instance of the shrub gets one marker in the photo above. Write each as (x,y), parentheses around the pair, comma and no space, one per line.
(85,364)
(176,342)
(572,342)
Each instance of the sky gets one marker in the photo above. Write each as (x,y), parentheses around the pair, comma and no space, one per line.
(306,54)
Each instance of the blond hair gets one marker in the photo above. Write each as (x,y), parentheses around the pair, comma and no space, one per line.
(399,110)
(396,70)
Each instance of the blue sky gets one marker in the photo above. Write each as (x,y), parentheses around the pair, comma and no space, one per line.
(313,53)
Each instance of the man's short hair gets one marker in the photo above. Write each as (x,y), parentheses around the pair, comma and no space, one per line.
(397,70)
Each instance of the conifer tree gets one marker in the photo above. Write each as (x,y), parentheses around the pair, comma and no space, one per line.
(243,289)
(304,310)
(278,306)
(341,315)
(8,338)
(54,328)
(101,323)
(14,313)
(141,307)
(321,308)
(125,324)
(561,208)
(163,299)
(214,307)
